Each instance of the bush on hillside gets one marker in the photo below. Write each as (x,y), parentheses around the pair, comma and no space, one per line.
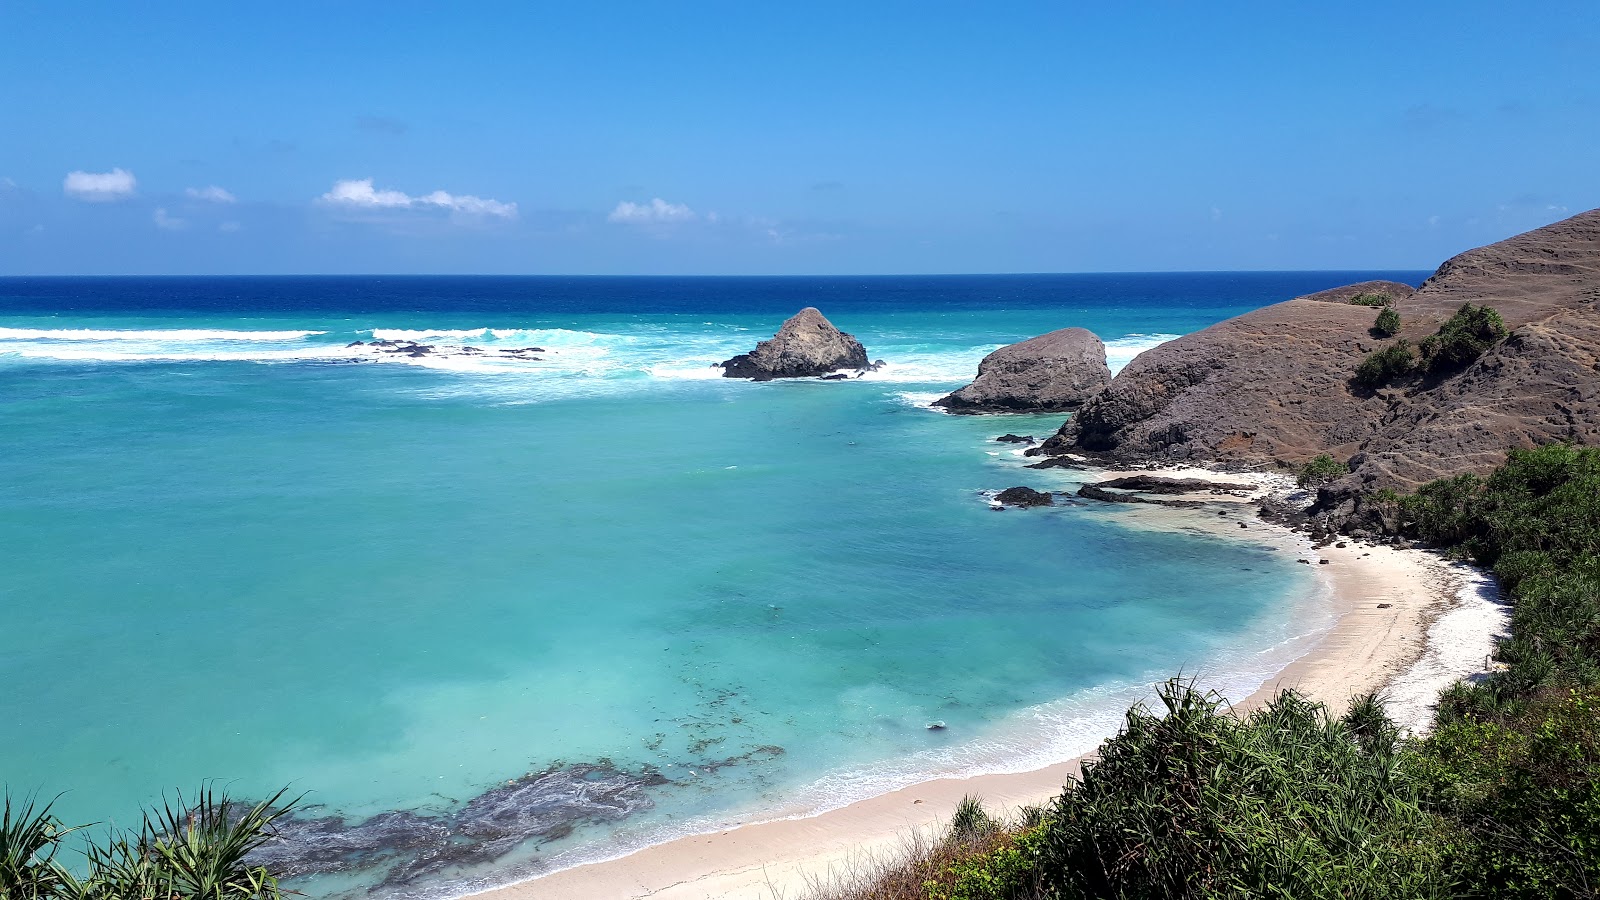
(1371,299)
(1462,338)
(1384,365)
(1321,470)
(1388,323)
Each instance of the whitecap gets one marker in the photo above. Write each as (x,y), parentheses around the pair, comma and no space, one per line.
(172,335)
(1121,351)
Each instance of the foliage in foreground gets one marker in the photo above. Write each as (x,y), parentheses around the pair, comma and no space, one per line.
(187,851)
(1502,799)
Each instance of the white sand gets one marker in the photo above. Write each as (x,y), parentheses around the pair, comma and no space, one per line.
(1407,622)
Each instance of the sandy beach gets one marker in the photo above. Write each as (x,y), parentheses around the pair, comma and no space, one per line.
(1407,622)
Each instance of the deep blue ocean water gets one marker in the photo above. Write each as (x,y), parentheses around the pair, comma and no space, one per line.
(233,548)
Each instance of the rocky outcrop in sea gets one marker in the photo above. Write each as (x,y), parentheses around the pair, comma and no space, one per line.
(807,346)
(1053,372)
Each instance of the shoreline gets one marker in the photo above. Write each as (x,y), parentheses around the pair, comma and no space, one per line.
(1406,623)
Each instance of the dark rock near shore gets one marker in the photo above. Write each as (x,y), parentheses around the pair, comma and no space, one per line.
(542,806)
(1015,439)
(1157,484)
(1054,372)
(1056,462)
(805,347)
(1096,492)
(1273,388)
(1024,496)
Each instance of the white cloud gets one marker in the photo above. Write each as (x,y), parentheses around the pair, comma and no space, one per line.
(360,194)
(656,212)
(210,194)
(100,187)
(168,223)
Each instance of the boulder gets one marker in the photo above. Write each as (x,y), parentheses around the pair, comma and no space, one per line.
(805,347)
(1054,372)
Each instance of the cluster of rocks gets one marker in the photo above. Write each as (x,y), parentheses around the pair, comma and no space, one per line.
(806,346)
(415,350)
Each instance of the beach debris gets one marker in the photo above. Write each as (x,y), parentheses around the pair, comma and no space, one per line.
(1385,605)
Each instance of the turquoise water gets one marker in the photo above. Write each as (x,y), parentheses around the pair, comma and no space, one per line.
(233,553)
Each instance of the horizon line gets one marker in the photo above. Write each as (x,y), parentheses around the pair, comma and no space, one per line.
(710,275)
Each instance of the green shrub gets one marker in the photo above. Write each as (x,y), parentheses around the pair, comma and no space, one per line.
(1516,758)
(1462,338)
(1321,470)
(1374,299)
(1388,323)
(1382,366)
(1194,801)
(1008,871)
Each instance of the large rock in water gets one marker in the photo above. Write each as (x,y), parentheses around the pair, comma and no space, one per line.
(1054,372)
(1272,388)
(807,345)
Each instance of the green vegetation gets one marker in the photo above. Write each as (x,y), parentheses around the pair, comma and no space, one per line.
(1378,299)
(1462,338)
(187,851)
(1321,470)
(1502,799)
(1286,801)
(1383,366)
(1388,322)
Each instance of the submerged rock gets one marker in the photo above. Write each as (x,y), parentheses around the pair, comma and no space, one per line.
(1054,372)
(1015,439)
(806,346)
(542,806)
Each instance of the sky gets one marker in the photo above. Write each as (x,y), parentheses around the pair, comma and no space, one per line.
(763,138)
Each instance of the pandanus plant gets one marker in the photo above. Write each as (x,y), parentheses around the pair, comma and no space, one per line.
(186,850)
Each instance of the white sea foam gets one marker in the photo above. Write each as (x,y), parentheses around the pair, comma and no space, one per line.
(1460,641)
(1121,351)
(172,335)
(919,399)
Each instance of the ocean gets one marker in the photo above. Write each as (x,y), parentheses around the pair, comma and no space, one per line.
(498,610)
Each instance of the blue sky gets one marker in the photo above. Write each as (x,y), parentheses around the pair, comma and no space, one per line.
(739,138)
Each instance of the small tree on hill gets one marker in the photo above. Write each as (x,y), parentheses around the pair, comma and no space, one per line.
(1462,338)
(1320,471)
(1388,323)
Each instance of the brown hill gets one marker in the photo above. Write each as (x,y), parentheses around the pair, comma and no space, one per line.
(1272,388)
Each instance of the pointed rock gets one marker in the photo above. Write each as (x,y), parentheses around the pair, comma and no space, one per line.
(806,346)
